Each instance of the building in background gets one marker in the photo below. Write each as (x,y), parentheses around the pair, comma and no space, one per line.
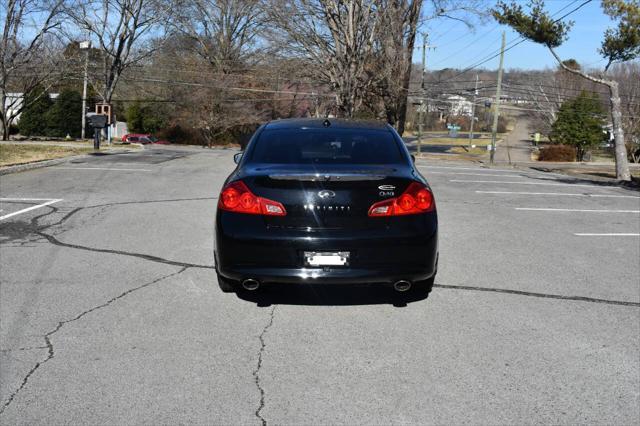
(14,101)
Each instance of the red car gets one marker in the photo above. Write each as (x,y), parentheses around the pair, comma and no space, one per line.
(143,138)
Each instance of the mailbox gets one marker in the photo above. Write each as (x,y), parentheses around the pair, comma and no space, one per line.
(97,121)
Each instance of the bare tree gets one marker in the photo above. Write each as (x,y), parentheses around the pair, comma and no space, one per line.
(222,36)
(400,20)
(123,30)
(391,65)
(336,39)
(26,61)
(223,31)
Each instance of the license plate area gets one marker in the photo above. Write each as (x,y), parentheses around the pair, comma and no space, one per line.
(326,258)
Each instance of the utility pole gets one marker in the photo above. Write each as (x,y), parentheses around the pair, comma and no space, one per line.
(473,113)
(422,107)
(86,46)
(275,97)
(316,104)
(496,111)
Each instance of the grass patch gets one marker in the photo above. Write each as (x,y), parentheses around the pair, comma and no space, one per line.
(472,151)
(635,173)
(12,154)
(455,141)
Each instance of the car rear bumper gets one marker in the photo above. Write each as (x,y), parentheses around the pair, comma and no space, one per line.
(325,276)
(383,256)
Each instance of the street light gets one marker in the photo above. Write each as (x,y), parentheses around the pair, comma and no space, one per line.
(86,46)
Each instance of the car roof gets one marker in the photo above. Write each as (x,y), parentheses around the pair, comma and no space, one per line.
(319,123)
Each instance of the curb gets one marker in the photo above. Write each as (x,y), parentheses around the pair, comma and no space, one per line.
(36,165)
(40,164)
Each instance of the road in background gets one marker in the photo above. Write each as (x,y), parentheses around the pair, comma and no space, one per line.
(110,312)
(515,147)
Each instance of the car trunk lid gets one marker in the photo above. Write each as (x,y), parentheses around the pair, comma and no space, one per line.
(326,198)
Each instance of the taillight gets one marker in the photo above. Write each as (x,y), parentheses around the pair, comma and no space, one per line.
(416,199)
(236,197)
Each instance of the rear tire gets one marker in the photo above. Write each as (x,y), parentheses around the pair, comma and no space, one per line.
(226,285)
(424,286)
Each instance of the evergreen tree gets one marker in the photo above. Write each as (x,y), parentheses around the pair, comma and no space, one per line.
(135,118)
(64,117)
(145,118)
(580,123)
(32,119)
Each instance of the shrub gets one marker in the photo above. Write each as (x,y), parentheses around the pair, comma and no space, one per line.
(633,151)
(487,125)
(32,119)
(180,135)
(557,153)
(502,124)
(64,117)
(145,118)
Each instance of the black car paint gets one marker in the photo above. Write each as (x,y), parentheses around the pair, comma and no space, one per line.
(270,249)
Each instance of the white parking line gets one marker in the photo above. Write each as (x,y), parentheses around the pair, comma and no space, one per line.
(608,235)
(575,210)
(472,174)
(466,168)
(525,183)
(101,168)
(49,201)
(558,193)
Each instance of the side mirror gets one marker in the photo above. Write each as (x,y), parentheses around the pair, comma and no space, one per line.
(237,157)
(413,158)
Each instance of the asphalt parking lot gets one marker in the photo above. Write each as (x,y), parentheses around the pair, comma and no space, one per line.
(110,312)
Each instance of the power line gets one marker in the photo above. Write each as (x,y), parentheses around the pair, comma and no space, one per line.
(520,39)
(468,45)
(505,106)
(486,34)
(241,89)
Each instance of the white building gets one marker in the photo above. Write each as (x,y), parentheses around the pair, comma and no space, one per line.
(460,106)
(14,101)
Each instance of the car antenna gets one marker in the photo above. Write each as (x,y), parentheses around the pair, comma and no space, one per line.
(326,122)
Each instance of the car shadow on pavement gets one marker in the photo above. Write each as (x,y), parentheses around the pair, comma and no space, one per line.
(330,295)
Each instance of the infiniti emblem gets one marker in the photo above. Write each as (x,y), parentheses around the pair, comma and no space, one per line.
(325,193)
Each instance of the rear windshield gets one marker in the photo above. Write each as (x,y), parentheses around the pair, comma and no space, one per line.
(326,146)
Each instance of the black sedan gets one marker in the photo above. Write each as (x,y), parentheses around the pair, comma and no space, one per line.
(326,201)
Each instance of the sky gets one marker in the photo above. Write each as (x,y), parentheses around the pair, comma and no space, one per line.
(458,47)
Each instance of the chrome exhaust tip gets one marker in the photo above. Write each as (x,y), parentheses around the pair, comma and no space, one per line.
(401,285)
(250,284)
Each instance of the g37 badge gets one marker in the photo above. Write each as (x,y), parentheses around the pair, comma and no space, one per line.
(387,190)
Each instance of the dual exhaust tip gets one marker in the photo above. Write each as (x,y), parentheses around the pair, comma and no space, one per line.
(251,285)
(402,286)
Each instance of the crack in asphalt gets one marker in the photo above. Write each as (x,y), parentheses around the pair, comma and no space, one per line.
(28,348)
(47,336)
(122,203)
(541,295)
(35,228)
(57,242)
(256,372)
